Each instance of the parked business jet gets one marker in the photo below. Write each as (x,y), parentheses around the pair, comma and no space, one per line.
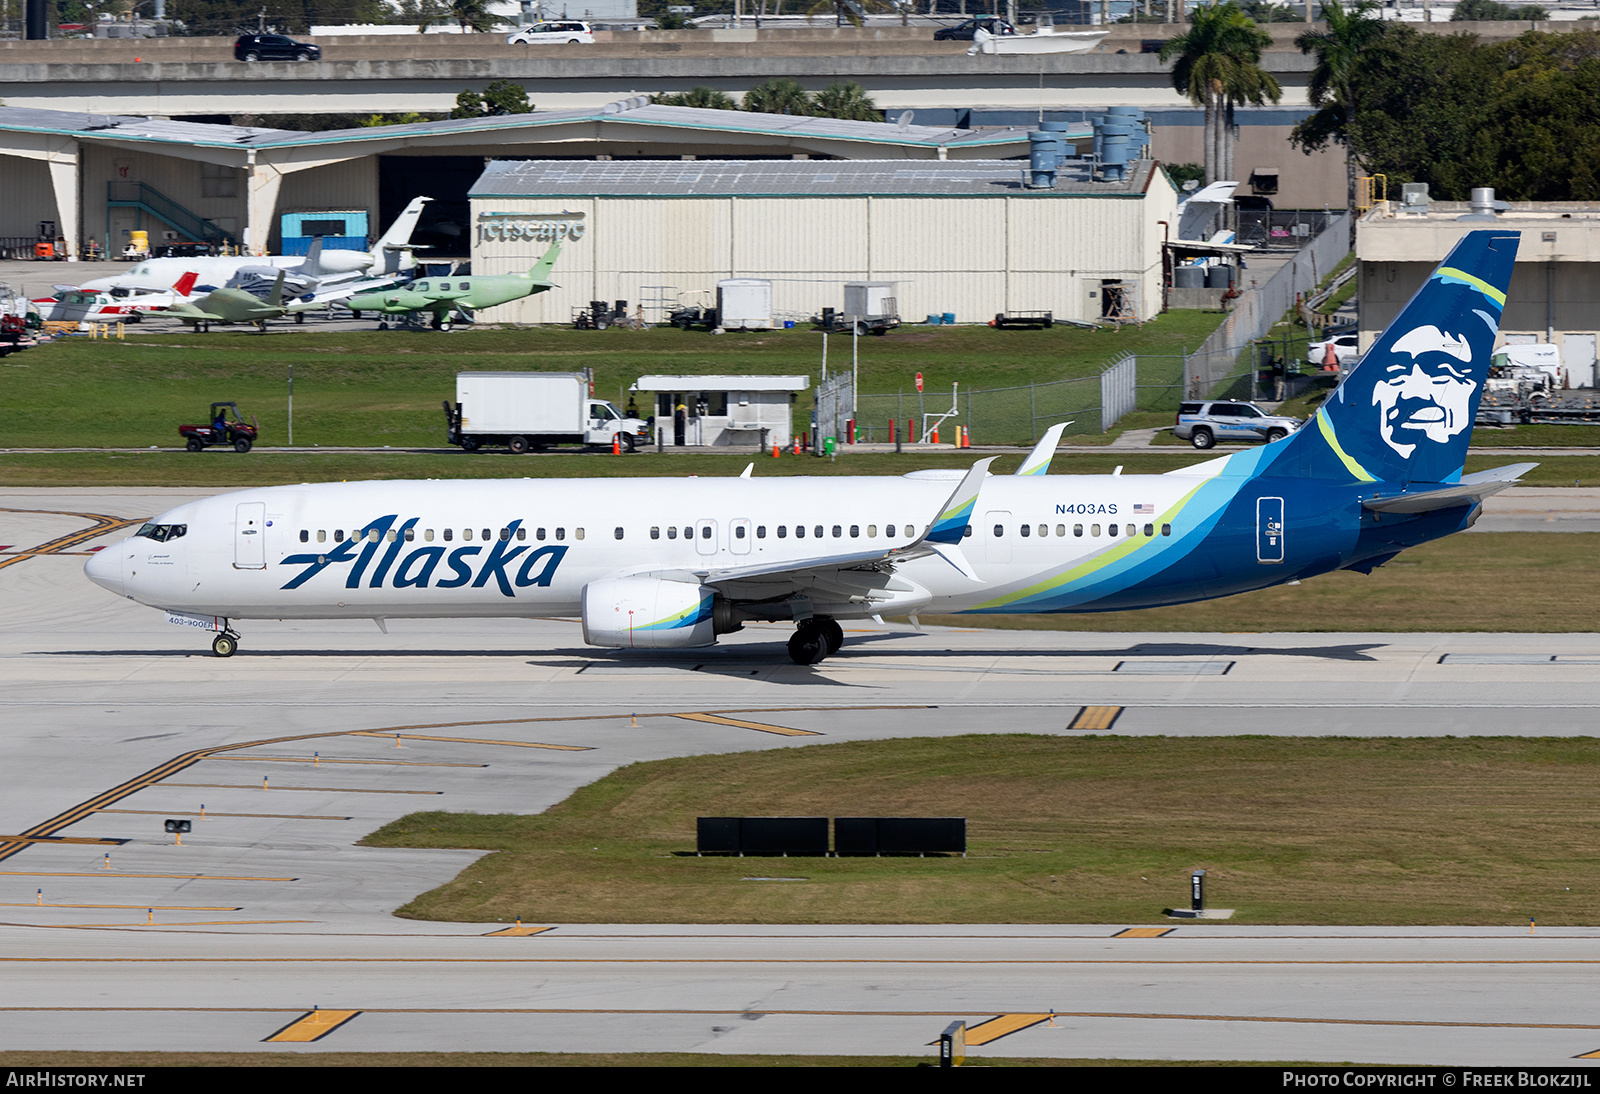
(661,563)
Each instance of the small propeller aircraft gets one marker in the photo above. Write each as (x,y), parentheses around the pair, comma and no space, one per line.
(461,294)
(230,306)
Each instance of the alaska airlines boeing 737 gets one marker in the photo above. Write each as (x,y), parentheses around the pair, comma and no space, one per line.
(664,564)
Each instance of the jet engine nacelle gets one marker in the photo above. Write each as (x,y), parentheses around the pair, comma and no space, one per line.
(651,613)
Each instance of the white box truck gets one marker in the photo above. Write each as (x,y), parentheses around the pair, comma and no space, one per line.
(531,410)
(744,303)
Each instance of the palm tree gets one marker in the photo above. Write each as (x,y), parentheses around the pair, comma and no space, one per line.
(848,101)
(782,96)
(707,98)
(1333,83)
(1218,66)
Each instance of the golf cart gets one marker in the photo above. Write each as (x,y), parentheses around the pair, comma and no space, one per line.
(221,429)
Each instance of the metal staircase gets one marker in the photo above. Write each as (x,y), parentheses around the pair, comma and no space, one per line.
(147,199)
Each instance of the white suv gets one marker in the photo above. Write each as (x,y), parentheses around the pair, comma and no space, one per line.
(545,33)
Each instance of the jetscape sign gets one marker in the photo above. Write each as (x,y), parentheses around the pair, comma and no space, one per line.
(560,227)
(376,557)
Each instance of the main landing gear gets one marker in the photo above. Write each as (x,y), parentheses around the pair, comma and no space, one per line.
(814,639)
(225,644)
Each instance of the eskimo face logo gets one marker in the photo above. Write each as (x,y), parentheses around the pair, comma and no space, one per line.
(1425,393)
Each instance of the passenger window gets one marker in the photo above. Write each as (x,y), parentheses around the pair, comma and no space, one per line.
(392,536)
(505,535)
(1094,530)
(655,532)
(322,535)
(1166,529)
(1077,530)
(305,536)
(872,531)
(522,533)
(672,532)
(1026,531)
(618,533)
(688,532)
(538,534)
(966,532)
(466,533)
(1149,529)
(738,531)
(783,531)
(449,534)
(705,533)
(799,531)
(999,530)
(1111,529)
(338,534)
(1061,529)
(911,531)
(487,535)
(761,531)
(1133,529)
(577,533)
(1044,529)
(818,531)
(855,531)
(561,533)
(837,531)
(411,534)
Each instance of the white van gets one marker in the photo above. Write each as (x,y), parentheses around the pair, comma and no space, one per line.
(1533,367)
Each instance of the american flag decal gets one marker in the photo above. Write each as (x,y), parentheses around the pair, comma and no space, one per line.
(1147,509)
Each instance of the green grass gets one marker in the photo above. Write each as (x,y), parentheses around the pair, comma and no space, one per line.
(1062,830)
(385,387)
(1526,582)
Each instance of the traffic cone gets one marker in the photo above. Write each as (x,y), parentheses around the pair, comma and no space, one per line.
(796,447)
(616,444)
(776,452)
(933,437)
(966,441)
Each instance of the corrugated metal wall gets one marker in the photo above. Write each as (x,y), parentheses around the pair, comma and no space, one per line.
(973,256)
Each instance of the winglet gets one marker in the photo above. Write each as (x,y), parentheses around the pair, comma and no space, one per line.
(951,524)
(1038,461)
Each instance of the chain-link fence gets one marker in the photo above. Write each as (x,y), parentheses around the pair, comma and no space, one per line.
(1221,368)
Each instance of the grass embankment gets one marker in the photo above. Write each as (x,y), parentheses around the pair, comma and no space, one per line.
(1523,582)
(1062,830)
(385,387)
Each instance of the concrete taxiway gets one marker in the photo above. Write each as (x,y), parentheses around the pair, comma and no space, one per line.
(113,936)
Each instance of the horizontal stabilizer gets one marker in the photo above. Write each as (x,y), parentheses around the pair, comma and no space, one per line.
(1471,488)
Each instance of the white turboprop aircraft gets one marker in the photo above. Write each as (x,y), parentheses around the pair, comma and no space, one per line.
(389,255)
(660,564)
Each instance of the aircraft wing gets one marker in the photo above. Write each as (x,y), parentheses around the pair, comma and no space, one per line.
(861,575)
(188,311)
(1471,488)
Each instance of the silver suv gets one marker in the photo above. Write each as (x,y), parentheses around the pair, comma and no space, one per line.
(1204,424)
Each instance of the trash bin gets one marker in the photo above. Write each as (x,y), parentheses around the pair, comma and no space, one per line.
(829,445)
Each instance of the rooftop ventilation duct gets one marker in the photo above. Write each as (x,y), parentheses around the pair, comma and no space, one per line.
(1484,206)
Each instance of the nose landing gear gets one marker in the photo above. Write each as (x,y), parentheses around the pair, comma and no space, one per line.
(814,639)
(225,644)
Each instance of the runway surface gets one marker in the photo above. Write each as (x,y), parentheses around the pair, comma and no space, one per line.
(114,937)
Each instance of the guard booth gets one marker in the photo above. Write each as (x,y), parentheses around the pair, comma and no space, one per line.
(723,411)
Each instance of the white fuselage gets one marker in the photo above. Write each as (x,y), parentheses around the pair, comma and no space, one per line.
(528,547)
(163,273)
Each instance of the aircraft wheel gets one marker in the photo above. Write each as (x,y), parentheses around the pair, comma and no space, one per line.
(1201,438)
(224,645)
(807,645)
(195,444)
(832,634)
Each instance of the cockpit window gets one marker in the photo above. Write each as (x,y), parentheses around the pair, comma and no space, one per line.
(163,532)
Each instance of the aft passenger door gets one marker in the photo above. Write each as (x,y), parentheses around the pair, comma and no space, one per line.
(250,536)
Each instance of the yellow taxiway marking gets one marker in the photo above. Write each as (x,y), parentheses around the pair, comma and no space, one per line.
(1595,1055)
(314,1026)
(996,1028)
(326,760)
(119,873)
(213,813)
(1096,718)
(107,841)
(1144,932)
(468,740)
(103,524)
(157,907)
(280,786)
(719,720)
(518,932)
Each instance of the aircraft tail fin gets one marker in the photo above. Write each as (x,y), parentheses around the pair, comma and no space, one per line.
(541,269)
(390,253)
(1405,412)
(276,297)
(311,265)
(185,284)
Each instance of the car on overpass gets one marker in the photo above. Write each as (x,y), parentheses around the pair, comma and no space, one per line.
(563,33)
(274,47)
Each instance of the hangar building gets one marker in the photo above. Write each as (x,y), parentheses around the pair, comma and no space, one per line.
(969,237)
